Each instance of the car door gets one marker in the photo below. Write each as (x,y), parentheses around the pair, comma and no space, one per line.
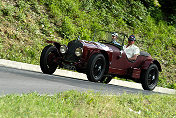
(120,64)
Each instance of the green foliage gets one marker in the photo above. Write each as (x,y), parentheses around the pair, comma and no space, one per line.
(169,9)
(162,10)
(1,46)
(26,25)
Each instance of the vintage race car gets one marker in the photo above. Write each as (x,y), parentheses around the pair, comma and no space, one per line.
(100,60)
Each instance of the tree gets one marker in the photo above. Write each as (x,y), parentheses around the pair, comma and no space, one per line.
(168,7)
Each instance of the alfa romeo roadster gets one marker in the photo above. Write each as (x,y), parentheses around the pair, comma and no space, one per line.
(100,60)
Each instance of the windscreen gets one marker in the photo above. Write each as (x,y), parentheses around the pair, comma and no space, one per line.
(108,37)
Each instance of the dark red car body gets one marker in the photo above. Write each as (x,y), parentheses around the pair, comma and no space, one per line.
(116,62)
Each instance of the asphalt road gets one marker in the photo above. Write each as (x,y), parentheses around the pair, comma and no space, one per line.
(15,81)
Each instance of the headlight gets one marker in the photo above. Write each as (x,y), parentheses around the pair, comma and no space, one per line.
(78,51)
(63,49)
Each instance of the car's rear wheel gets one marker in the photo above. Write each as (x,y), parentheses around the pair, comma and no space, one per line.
(106,79)
(149,77)
(48,57)
(96,67)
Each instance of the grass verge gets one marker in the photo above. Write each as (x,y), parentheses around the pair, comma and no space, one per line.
(79,105)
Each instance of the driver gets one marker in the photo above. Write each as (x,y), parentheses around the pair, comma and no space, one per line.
(114,39)
(131,50)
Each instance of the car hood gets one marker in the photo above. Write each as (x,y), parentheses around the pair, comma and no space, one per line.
(93,44)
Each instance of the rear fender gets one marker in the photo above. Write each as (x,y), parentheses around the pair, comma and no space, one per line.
(147,63)
(158,65)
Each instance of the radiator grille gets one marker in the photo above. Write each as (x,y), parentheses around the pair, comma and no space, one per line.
(72,46)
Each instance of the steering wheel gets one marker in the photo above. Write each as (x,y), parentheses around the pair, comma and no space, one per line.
(102,41)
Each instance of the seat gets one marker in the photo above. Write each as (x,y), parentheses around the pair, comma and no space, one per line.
(143,53)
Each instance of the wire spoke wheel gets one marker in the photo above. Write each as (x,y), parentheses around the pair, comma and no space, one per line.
(51,62)
(152,76)
(149,78)
(48,60)
(96,67)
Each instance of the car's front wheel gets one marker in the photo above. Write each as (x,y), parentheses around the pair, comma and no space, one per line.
(96,67)
(48,62)
(149,77)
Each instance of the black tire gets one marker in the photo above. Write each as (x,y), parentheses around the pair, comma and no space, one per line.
(149,77)
(106,79)
(96,67)
(47,63)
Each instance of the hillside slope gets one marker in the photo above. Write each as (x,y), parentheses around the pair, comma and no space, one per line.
(25,25)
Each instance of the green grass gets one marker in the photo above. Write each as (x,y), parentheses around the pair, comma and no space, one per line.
(74,104)
(26,25)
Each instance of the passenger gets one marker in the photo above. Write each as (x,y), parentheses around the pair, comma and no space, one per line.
(131,50)
(114,39)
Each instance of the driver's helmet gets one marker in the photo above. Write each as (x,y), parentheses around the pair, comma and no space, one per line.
(132,38)
(114,34)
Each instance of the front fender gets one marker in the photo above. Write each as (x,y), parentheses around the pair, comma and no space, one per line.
(56,44)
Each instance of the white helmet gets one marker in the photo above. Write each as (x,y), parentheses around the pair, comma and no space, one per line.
(114,34)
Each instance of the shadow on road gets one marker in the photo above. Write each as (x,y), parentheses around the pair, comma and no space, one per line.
(75,83)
